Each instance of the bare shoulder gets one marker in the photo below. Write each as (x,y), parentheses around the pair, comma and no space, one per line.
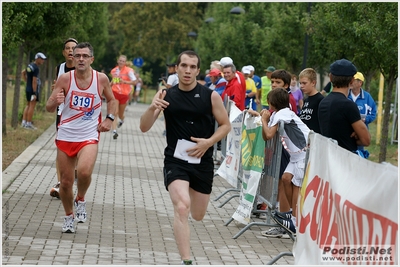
(64,78)
(216,97)
(103,77)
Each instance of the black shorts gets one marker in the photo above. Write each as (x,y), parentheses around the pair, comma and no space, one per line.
(29,95)
(199,178)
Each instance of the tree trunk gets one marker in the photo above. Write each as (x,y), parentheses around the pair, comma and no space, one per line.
(50,78)
(17,90)
(386,118)
(4,96)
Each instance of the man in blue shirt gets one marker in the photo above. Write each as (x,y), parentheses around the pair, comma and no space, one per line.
(363,99)
(365,103)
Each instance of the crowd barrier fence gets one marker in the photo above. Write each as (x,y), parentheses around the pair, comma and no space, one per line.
(267,191)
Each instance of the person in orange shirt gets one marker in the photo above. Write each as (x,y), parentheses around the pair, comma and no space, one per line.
(123,77)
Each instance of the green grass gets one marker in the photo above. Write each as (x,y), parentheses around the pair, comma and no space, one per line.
(374,149)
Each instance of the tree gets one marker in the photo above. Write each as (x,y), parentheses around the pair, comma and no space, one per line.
(365,33)
(163,27)
(12,25)
(46,25)
(266,34)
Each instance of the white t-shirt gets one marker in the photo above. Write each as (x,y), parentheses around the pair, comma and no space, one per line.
(295,133)
(173,79)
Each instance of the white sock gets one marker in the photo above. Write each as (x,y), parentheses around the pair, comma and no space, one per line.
(23,121)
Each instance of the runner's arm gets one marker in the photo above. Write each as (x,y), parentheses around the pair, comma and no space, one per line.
(158,104)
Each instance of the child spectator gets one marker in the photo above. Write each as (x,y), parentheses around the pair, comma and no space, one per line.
(309,112)
(294,140)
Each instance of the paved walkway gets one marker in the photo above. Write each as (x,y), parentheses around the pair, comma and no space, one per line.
(130,214)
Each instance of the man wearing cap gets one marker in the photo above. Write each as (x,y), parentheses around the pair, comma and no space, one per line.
(338,117)
(31,77)
(265,88)
(172,76)
(251,89)
(364,101)
(217,81)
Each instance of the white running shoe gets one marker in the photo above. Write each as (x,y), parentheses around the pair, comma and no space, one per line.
(80,212)
(68,226)
(277,232)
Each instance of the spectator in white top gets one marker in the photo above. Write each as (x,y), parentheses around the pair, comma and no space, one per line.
(172,76)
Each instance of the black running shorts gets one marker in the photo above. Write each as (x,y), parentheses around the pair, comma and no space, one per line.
(199,178)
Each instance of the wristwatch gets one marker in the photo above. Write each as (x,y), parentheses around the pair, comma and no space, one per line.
(110,116)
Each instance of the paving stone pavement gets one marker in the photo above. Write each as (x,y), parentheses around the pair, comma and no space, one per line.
(130,214)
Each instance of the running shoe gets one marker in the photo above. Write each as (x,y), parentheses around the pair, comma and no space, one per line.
(115,136)
(55,191)
(30,127)
(276,232)
(120,124)
(80,213)
(68,226)
(287,224)
(187,262)
(284,215)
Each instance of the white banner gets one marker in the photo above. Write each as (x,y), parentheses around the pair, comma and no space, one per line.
(229,168)
(348,209)
(252,163)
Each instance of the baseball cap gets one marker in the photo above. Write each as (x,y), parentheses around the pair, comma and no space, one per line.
(251,68)
(359,76)
(40,55)
(171,64)
(343,67)
(70,40)
(214,72)
(246,70)
(225,61)
(270,69)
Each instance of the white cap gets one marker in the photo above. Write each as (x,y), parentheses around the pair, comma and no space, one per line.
(40,55)
(246,70)
(225,61)
(251,68)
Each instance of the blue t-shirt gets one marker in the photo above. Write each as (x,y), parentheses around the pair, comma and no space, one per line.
(257,81)
(32,70)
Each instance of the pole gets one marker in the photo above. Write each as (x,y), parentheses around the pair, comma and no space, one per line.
(380,104)
(394,123)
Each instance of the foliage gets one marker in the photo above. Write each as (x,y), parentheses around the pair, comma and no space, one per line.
(268,33)
(161,26)
(349,30)
(12,23)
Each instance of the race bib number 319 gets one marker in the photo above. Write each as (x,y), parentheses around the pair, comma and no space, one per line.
(81,101)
